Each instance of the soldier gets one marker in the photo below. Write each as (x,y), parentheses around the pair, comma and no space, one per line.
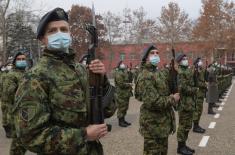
(199,81)
(187,105)
(157,118)
(10,83)
(130,73)
(123,93)
(135,73)
(52,103)
(212,93)
(3,71)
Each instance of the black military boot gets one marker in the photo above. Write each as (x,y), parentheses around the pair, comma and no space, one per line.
(190,149)
(121,122)
(215,105)
(197,128)
(210,109)
(127,123)
(182,149)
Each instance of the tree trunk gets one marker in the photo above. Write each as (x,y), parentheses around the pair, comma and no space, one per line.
(4,45)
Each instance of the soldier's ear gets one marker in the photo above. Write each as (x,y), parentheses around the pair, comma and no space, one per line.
(43,40)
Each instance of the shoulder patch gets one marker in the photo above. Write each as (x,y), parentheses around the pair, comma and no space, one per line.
(27,113)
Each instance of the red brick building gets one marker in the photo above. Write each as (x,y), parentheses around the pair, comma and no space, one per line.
(131,54)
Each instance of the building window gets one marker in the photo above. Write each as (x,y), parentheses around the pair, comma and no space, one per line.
(132,56)
(122,56)
(190,55)
(112,55)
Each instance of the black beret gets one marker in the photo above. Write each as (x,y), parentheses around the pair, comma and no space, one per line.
(196,61)
(146,52)
(55,15)
(180,57)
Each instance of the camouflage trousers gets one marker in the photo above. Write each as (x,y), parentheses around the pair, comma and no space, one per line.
(185,125)
(122,106)
(17,147)
(5,116)
(7,120)
(155,146)
(95,148)
(198,111)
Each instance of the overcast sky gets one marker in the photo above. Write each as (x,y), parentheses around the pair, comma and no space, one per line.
(152,7)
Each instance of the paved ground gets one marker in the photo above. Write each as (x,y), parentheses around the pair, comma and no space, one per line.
(127,141)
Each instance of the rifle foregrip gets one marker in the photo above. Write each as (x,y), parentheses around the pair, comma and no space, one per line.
(109,126)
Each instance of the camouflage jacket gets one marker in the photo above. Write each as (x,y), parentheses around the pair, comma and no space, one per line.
(201,83)
(10,84)
(2,75)
(157,117)
(122,83)
(187,89)
(52,105)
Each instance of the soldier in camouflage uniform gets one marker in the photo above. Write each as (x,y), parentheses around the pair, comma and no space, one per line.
(157,118)
(199,81)
(52,103)
(3,71)
(212,95)
(10,83)
(187,105)
(123,93)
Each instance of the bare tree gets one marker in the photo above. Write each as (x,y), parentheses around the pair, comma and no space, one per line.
(174,24)
(113,25)
(4,4)
(127,25)
(80,16)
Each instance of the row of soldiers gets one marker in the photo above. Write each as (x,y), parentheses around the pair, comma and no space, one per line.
(46,109)
(152,87)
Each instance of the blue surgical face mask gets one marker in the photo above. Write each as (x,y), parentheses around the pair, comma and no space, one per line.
(122,66)
(200,63)
(184,63)
(22,64)
(154,60)
(59,41)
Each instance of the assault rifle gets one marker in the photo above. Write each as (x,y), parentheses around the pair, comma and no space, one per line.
(173,75)
(96,81)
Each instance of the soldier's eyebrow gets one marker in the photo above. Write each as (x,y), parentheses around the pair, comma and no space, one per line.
(51,29)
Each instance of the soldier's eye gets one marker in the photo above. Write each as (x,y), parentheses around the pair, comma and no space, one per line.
(53,30)
(64,29)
